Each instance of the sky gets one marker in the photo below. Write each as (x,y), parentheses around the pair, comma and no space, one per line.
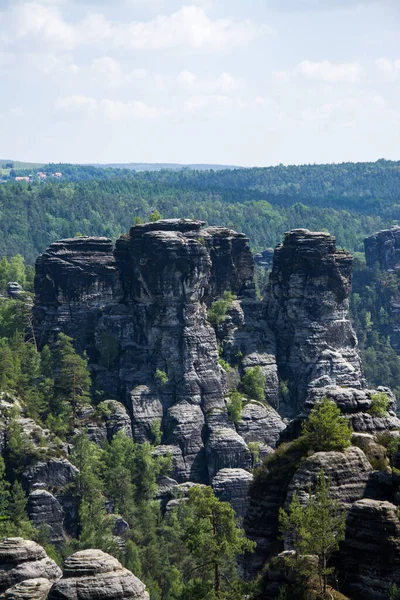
(235,82)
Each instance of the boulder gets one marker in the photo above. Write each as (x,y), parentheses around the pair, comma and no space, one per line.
(232,485)
(369,561)
(22,559)
(30,589)
(95,575)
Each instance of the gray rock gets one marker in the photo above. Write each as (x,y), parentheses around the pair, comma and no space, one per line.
(232,485)
(370,554)
(260,423)
(55,473)
(95,575)
(348,471)
(44,510)
(22,559)
(307,309)
(30,589)
(225,448)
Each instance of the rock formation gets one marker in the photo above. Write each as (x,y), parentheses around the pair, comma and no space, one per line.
(26,573)
(307,308)
(140,310)
(21,560)
(370,554)
(93,574)
(383,248)
(30,589)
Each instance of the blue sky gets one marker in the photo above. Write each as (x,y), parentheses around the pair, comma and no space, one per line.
(243,82)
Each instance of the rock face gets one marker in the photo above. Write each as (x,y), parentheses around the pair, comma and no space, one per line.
(21,560)
(232,485)
(31,589)
(370,554)
(139,311)
(95,575)
(383,248)
(45,510)
(348,472)
(307,306)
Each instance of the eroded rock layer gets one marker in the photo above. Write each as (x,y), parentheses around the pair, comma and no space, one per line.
(307,308)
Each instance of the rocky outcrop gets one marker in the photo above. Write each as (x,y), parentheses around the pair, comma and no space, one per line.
(307,309)
(383,248)
(54,473)
(95,575)
(370,554)
(46,512)
(139,311)
(21,560)
(31,589)
(348,473)
(232,485)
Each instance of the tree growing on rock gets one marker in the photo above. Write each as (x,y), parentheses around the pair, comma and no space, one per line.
(326,429)
(211,534)
(316,528)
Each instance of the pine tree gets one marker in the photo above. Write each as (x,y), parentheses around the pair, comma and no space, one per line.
(72,379)
(326,429)
(316,528)
(212,536)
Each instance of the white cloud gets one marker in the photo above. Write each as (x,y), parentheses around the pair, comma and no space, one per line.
(217,103)
(328,72)
(114,110)
(223,84)
(389,68)
(121,111)
(76,104)
(33,21)
(190,26)
(111,72)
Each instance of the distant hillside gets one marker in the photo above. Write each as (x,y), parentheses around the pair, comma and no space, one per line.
(351,200)
(17,164)
(160,166)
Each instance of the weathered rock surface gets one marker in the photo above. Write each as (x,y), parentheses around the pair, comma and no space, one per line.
(383,248)
(260,424)
(21,559)
(146,300)
(370,554)
(44,510)
(30,589)
(348,471)
(307,309)
(232,485)
(95,575)
(54,473)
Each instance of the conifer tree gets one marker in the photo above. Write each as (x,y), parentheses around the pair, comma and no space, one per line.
(326,429)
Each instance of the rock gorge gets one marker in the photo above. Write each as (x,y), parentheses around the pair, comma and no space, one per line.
(139,309)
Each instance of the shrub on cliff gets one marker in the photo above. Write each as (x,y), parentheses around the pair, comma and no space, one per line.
(217,312)
(379,404)
(326,429)
(253,384)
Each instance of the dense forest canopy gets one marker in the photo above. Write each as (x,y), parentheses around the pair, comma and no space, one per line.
(351,200)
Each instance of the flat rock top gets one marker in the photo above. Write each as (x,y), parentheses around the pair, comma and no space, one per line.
(232,476)
(31,589)
(16,550)
(182,225)
(90,562)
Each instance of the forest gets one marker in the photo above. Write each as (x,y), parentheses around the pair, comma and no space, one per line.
(350,200)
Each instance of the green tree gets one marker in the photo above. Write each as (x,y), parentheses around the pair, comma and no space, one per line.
(235,407)
(379,404)
(211,534)
(253,383)
(216,314)
(316,528)
(155,216)
(72,380)
(326,429)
